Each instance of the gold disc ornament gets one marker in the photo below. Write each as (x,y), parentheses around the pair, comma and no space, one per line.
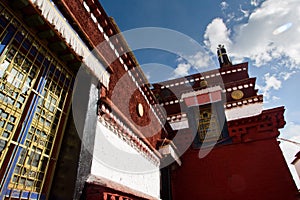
(237,94)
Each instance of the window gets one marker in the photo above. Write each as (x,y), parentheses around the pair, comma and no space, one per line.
(22,61)
(208,123)
(42,133)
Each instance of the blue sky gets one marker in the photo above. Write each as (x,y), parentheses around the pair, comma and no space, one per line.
(263,32)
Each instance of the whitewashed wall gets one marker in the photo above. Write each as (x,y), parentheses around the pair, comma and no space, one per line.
(243,111)
(115,160)
(297,166)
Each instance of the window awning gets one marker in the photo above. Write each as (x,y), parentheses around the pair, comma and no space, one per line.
(60,24)
(202,97)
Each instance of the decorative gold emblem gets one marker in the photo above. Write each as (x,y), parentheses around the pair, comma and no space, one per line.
(237,94)
(203,83)
(140,110)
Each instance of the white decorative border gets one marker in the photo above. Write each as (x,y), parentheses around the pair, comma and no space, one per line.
(202,78)
(238,87)
(127,135)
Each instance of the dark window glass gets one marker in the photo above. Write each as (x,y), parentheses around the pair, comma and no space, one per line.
(26,44)
(19,37)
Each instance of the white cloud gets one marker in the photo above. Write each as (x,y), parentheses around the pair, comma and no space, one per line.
(254,2)
(291,130)
(245,12)
(282,28)
(216,33)
(275,98)
(271,82)
(230,16)
(287,75)
(224,5)
(196,62)
(256,39)
(199,60)
(182,69)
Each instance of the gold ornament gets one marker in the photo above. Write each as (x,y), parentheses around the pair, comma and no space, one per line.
(237,94)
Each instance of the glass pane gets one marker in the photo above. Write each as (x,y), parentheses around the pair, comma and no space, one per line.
(44,135)
(52,108)
(40,103)
(47,104)
(11,54)
(13,72)
(9,127)
(18,105)
(20,76)
(32,73)
(15,94)
(36,160)
(29,183)
(12,119)
(17,169)
(38,184)
(21,99)
(5,134)
(26,65)
(54,101)
(47,123)
(22,156)
(3,67)
(22,181)
(2,145)
(4,115)
(16,83)
(28,81)
(12,75)
(15,179)
(44,164)
(29,136)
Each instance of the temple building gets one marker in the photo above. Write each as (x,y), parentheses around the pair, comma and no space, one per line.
(79,119)
(228,142)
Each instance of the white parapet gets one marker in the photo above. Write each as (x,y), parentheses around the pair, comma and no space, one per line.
(116,160)
(181,124)
(297,166)
(248,110)
(169,150)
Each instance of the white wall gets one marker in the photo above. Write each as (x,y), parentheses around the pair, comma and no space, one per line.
(297,166)
(182,124)
(244,111)
(117,161)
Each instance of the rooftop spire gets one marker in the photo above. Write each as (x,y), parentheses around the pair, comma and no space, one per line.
(222,56)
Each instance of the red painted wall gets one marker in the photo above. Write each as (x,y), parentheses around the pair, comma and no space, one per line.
(244,171)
